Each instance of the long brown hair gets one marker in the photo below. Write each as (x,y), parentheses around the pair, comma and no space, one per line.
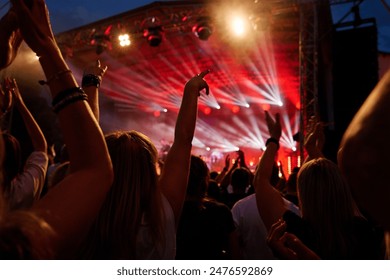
(133,199)
(326,204)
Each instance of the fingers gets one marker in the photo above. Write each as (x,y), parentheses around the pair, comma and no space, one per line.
(204,85)
(277,118)
(102,68)
(204,73)
(268,118)
(295,244)
(277,230)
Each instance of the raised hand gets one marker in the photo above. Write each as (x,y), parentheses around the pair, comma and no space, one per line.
(315,138)
(96,69)
(286,245)
(5,99)
(274,127)
(10,38)
(227,162)
(34,24)
(12,88)
(197,83)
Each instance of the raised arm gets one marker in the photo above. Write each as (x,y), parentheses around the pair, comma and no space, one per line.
(35,168)
(38,140)
(225,169)
(70,207)
(225,180)
(5,102)
(364,153)
(269,201)
(92,78)
(314,140)
(174,177)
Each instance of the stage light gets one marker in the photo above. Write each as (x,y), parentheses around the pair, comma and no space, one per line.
(235,109)
(280,103)
(165,110)
(202,29)
(208,149)
(124,40)
(218,107)
(207,111)
(247,105)
(294,149)
(154,35)
(239,26)
(266,107)
(157,114)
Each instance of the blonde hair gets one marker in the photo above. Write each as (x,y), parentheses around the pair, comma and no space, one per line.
(326,204)
(133,199)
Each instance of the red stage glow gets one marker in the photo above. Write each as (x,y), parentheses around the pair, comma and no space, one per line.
(260,70)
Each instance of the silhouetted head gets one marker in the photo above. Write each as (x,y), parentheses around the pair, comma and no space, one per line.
(198,178)
(291,183)
(213,190)
(213,175)
(240,179)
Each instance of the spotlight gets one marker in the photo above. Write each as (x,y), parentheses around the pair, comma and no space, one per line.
(202,29)
(239,26)
(124,40)
(154,35)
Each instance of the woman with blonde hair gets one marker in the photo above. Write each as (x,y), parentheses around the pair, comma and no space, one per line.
(330,224)
(139,217)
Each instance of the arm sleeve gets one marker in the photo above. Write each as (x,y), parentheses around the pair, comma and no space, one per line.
(27,186)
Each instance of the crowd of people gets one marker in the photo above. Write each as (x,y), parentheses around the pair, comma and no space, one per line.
(111,197)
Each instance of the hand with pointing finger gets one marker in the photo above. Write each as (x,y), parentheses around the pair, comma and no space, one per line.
(198,83)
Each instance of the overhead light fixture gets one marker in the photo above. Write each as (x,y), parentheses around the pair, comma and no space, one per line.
(154,35)
(153,31)
(203,29)
(102,41)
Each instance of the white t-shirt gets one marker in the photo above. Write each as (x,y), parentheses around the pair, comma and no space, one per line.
(146,250)
(27,186)
(251,230)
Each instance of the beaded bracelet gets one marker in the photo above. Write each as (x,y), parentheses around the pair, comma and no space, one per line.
(91,80)
(69,100)
(272,140)
(54,77)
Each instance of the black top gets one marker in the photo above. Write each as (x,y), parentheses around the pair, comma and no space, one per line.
(203,231)
(363,241)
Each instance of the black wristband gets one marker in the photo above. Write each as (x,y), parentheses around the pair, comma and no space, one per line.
(90,80)
(272,140)
(63,94)
(72,98)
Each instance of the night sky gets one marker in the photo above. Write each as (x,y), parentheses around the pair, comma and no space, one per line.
(67,14)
